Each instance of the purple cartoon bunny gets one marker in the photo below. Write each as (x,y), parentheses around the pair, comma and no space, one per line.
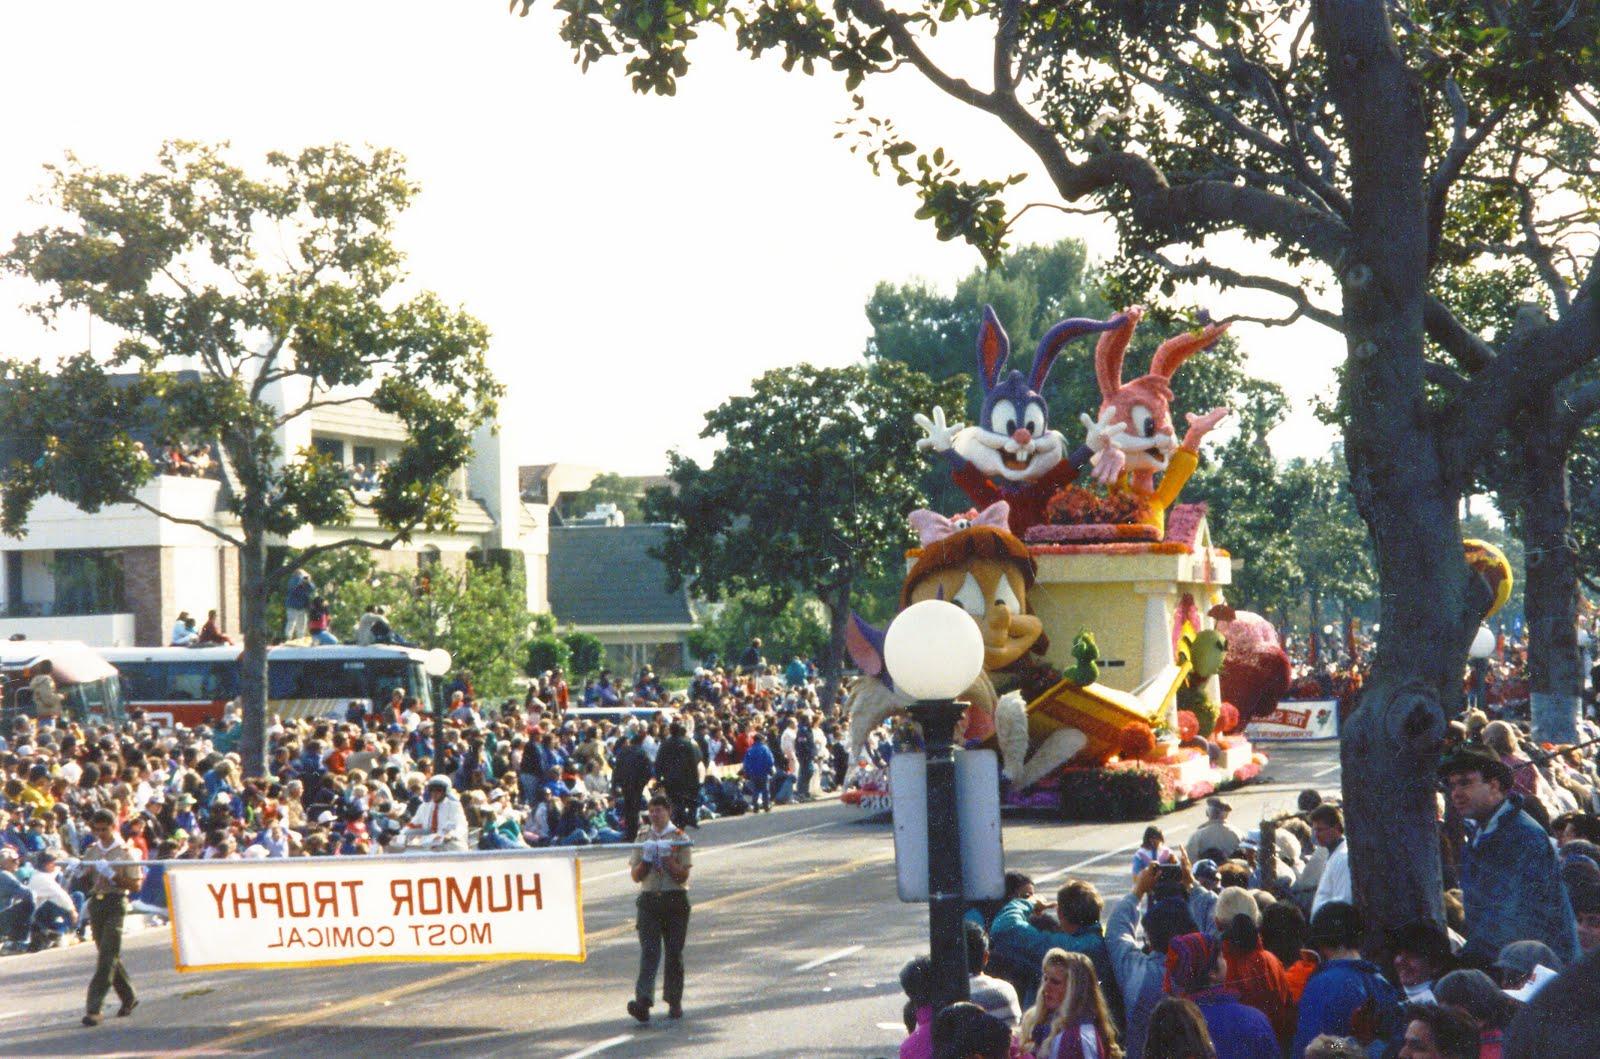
(1011,453)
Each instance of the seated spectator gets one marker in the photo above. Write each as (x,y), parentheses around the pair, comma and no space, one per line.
(211,631)
(184,634)
(1475,995)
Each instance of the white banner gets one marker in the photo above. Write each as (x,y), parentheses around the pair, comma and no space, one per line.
(1310,719)
(310,911)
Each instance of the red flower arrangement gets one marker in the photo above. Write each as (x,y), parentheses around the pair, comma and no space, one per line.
(1136,741)
(1228,718)
(1188,726)
(1073,505)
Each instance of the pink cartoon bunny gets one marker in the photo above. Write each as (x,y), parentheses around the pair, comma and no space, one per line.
(1133,437)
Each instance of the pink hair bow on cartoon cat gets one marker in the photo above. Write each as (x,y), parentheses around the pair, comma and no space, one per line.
(932,526)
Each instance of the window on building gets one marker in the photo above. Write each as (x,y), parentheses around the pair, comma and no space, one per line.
(87,581)
(332,448)
(427,558)
(366,455)
(11,603)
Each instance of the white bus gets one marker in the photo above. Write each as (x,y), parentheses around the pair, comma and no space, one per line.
(192,685)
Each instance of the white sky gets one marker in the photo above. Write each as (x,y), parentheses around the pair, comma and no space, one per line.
(638,259)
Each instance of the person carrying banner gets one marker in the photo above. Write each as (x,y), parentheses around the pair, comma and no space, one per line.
(108,906)
(660,866)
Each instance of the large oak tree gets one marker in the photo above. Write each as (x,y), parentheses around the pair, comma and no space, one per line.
(1373,149)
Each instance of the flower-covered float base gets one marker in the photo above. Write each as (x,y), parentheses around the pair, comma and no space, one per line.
(1143,789)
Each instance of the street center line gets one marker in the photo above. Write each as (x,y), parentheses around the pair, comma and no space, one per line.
(708,851)
(596,1049)
(1323,772)
(820,960)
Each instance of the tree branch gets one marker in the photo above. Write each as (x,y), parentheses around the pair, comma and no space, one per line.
(1461,147)
(305,555)
(1574,410)
(1226,277)
(1472,353)
(1444,376)
(178,520)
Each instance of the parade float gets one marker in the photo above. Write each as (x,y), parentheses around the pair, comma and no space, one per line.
(1099,601)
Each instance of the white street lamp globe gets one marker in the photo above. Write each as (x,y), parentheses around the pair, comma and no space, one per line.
(933,650)
(1482,644)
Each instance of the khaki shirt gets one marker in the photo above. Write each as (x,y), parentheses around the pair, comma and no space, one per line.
(117,852)
(656,880)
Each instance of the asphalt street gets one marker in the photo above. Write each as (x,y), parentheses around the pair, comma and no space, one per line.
(795,945)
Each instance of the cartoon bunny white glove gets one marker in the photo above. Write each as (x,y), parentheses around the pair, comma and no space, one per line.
(940,437)
(1100,435)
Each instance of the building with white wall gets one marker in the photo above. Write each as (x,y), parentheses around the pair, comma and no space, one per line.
(121,576)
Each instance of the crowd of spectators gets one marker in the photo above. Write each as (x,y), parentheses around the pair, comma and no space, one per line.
(516,774)
(1247,942)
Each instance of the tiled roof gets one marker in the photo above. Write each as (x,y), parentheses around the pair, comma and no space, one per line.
(1183,523)
(605,575)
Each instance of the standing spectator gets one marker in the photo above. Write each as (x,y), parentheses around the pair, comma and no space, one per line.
(297,604)
(805,752)
(46,698)
(752,660)
(1081,1027)
(661,868)
(1254,974)
(108,906)
(1196,969)
(994,995)
(1510,881)
(1327,824)
(1344,985)
(1214,839)
(1141,969)
(677,767)
(632,775)
(757,769)
(1178,1031)
(1152,850)
(1438,1033)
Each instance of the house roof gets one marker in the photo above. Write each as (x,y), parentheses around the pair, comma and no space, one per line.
(605,575)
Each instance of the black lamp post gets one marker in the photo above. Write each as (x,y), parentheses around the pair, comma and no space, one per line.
(947,943)
(934,652)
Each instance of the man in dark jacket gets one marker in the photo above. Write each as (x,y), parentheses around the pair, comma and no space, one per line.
(678,769)
(631,774)
(1510,880)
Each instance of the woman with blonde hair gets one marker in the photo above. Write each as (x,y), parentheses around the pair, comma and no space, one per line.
(1069,1020)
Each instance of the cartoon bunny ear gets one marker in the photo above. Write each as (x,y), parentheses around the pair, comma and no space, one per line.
(865,646)
(1057,337)
(1179,348)
(994,348)
(1109,351)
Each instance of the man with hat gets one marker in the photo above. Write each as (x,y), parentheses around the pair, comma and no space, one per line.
(439,822)
(1214,836)
(54,909)
(1515,966)
(1510,881)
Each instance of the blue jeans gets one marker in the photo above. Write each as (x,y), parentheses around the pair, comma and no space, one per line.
(761,793)
(579,837)
(807,766)
(606,834)
(51,918)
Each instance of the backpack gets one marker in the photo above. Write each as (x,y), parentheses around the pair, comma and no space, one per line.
(1379,1023)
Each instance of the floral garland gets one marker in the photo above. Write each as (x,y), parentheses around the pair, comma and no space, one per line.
(1074,505)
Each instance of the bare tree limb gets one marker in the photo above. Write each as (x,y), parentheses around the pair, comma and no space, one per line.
(1472,353)
(1444,376)
(305,555)
(1226,277)
(222,535)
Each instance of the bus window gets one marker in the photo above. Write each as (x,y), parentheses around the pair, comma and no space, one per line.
(197,681)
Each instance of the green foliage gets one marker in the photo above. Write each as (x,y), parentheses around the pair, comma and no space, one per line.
(547,652)
(607,488)
(588,654)
(798,626)
(811,486)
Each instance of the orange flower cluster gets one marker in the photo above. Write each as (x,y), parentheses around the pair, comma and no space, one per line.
(1073,505)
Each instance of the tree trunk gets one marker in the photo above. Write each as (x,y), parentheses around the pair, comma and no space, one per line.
(253,592)
(1555,666)
(1316,627)
(833,659)
(1404,487)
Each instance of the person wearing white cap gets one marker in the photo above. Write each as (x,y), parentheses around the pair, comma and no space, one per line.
(439,822)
